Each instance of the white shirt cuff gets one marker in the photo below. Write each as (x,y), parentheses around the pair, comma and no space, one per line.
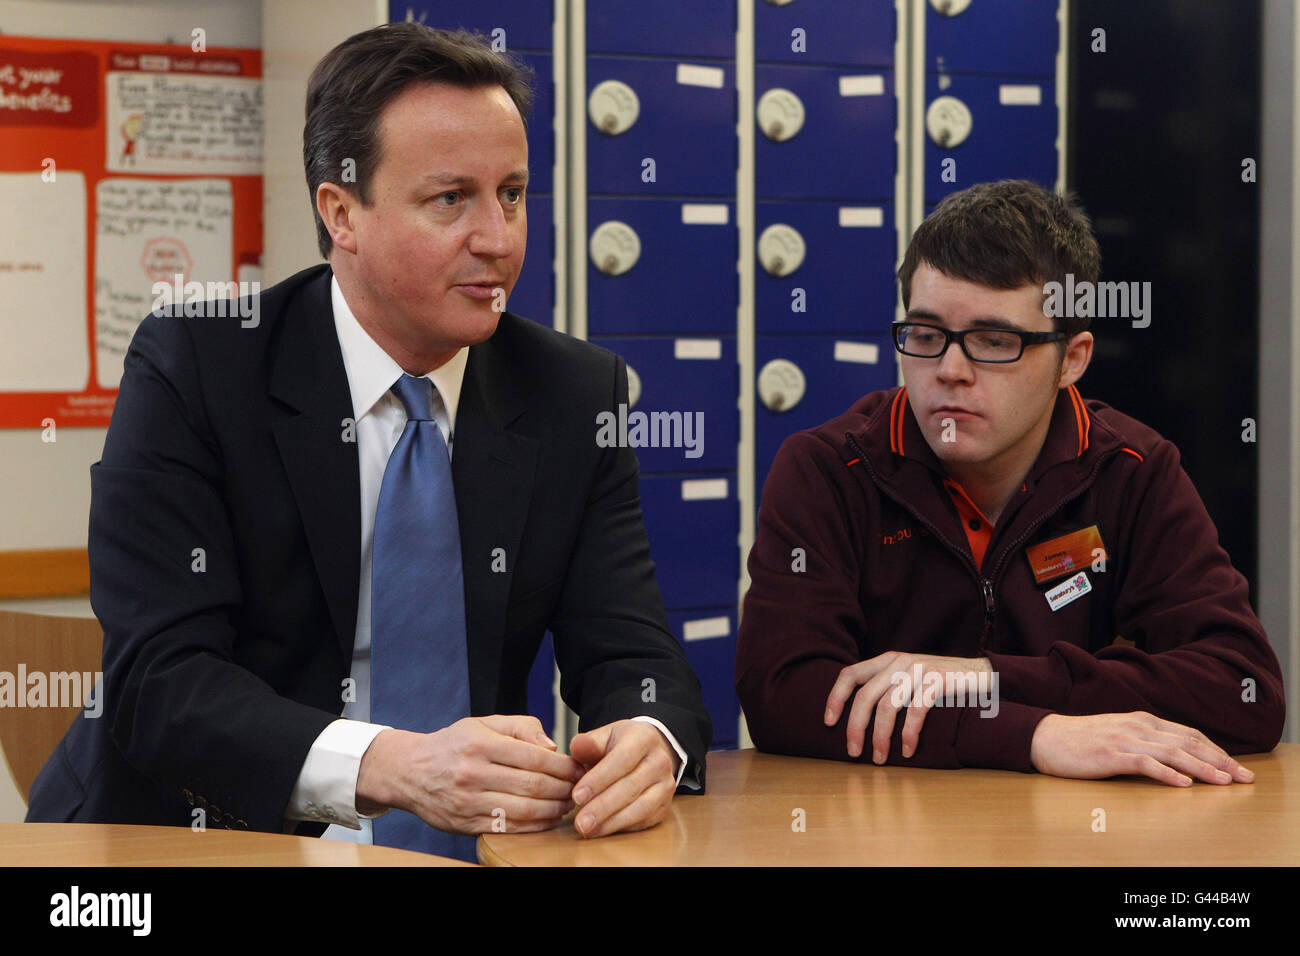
(326,791)
(672,741)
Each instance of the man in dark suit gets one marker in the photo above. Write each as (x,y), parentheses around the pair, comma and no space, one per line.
(243,518)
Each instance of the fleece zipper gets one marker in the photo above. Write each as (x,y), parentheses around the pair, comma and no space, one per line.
(987,585)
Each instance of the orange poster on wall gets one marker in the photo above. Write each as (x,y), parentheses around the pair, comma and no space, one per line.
(124,168)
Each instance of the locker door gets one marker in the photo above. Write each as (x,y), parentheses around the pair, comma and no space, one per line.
(660,266)
(686,388)
(692,524)
(824,133)
(824,267)
(804,381)
(995,128)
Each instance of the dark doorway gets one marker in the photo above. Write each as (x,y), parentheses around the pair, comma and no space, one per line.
(1159,126)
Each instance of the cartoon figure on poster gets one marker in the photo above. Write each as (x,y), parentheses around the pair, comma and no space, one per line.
(131,130)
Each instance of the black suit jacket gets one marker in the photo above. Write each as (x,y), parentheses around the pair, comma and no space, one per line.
(225,554)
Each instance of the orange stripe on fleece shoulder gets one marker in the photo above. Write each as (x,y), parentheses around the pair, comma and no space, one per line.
(896,421)
(1082,421)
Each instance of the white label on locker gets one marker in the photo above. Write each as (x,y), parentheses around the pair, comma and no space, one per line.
(710,76)
(703,489)
(697,349)
(705,628)
(704,214)
(863,352)
(861,216)
(872,85)
(1015,95)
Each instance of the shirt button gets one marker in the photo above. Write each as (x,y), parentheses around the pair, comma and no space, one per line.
(974,524)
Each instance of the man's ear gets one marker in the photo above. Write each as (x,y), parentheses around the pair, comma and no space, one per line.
(1078,353)
(335,205)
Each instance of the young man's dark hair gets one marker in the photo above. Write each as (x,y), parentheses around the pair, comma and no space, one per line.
(1005,235)
(350,87)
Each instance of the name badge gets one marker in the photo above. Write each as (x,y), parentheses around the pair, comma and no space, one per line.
(1066,554)
(1067,591)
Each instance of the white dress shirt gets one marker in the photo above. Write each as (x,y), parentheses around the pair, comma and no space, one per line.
(327,783)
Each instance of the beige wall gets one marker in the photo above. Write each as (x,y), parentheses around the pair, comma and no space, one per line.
(295,34)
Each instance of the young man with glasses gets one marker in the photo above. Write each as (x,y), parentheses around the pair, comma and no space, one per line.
(981,568)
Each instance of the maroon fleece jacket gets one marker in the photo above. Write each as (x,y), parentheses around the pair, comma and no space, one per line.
(887,566)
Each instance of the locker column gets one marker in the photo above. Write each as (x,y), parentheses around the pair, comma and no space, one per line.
(825,167)
(661,291)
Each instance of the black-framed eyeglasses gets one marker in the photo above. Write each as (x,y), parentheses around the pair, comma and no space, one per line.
(920,340)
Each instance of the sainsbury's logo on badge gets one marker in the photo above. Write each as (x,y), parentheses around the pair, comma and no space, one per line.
(1067,591)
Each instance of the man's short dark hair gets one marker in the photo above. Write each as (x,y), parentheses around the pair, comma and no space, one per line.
(352,84)
(1005,235)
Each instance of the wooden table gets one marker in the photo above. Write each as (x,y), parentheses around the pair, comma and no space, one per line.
(863,815)
(95,844)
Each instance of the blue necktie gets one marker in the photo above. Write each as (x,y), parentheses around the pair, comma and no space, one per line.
(419,677)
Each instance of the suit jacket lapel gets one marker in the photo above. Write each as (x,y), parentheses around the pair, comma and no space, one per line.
(319,451)
(493,470)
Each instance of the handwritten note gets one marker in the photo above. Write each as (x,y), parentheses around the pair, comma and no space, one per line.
(151,230)
(184,123)
(43,283)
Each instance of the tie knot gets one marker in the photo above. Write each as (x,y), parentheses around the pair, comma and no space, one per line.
(416,396)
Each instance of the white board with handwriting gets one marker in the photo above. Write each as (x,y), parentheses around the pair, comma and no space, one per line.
(151,230)
(183,123)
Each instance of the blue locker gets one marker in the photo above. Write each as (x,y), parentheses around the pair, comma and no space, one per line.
(847,273)
(533,296)
(861,33)
(541,696)
(709,638)
(845,149)
(835,376)
(541,130)
(1012,132)
(685,278)
(698,379)
(526,23)
(693,523)
(699,28)
(1010,37)
(686,123)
